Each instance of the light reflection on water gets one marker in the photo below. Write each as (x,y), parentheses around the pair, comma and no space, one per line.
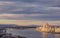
(47,35)
(32,33)
(57,35)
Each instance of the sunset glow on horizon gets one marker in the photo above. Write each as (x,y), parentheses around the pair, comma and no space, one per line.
(28,22)
(27,12)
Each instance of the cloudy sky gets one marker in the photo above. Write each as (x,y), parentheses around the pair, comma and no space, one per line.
(29,10)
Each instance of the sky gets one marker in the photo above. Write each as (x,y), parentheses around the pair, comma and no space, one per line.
(29,11)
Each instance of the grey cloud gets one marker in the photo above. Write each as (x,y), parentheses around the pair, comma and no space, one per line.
(50,7)
(21,7)
(41,2)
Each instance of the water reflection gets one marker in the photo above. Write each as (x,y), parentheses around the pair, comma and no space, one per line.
(57,35)
(33,33)
(44,35)
(47,35)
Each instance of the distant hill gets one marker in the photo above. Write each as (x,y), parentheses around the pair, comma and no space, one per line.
(17,26)
(7,25)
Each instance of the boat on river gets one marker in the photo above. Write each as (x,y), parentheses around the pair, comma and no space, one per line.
(49,29)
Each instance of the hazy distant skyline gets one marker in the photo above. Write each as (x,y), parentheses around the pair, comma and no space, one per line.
(34,10)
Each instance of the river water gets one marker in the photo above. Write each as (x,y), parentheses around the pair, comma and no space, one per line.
(28,33)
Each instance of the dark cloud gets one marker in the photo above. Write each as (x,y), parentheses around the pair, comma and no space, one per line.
(49,7)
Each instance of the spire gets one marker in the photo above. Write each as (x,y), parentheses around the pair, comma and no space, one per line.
(46,25)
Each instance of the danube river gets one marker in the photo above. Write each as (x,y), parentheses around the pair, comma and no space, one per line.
(28,33)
